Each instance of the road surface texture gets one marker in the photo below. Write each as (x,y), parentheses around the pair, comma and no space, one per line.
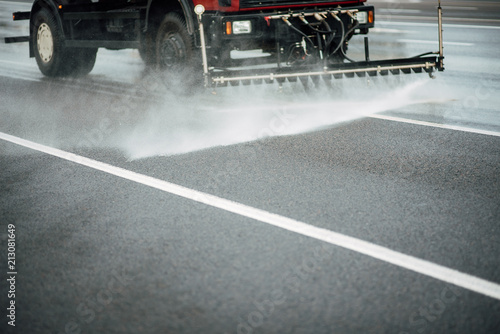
(361,207)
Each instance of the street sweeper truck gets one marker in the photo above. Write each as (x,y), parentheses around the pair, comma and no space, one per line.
(214,42)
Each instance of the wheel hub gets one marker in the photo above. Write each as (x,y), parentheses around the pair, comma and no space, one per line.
(45,43)
(172,50)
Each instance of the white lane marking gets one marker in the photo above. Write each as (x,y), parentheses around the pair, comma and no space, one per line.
(434,25)
(418,41)
(417,265)
(435,125)
(458,8)
(390,31)
(434,19)
(14,3)
(396,11)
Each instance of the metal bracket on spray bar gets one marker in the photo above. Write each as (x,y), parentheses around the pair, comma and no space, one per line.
(199,10)
(440,28)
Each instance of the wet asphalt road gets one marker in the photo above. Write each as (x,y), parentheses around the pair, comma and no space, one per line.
(96,253)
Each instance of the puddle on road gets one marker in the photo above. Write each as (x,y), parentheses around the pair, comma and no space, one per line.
(248,113)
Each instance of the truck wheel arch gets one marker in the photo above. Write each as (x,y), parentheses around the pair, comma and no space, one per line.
(185,5)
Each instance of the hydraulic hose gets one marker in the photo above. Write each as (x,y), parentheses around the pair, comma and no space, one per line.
(324,32)
(425,54)
(298,31)
(342,45)
(341,39)
(322,46)
(332,34)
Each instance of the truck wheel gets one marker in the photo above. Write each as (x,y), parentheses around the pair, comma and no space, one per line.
(52,57)
(174,48)
(81,61)
(47,43)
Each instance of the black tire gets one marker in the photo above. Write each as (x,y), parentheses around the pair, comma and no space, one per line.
(81,61)
(48,44)
(175,53)
(52,57)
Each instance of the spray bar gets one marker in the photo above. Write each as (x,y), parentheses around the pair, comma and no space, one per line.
(428,66)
